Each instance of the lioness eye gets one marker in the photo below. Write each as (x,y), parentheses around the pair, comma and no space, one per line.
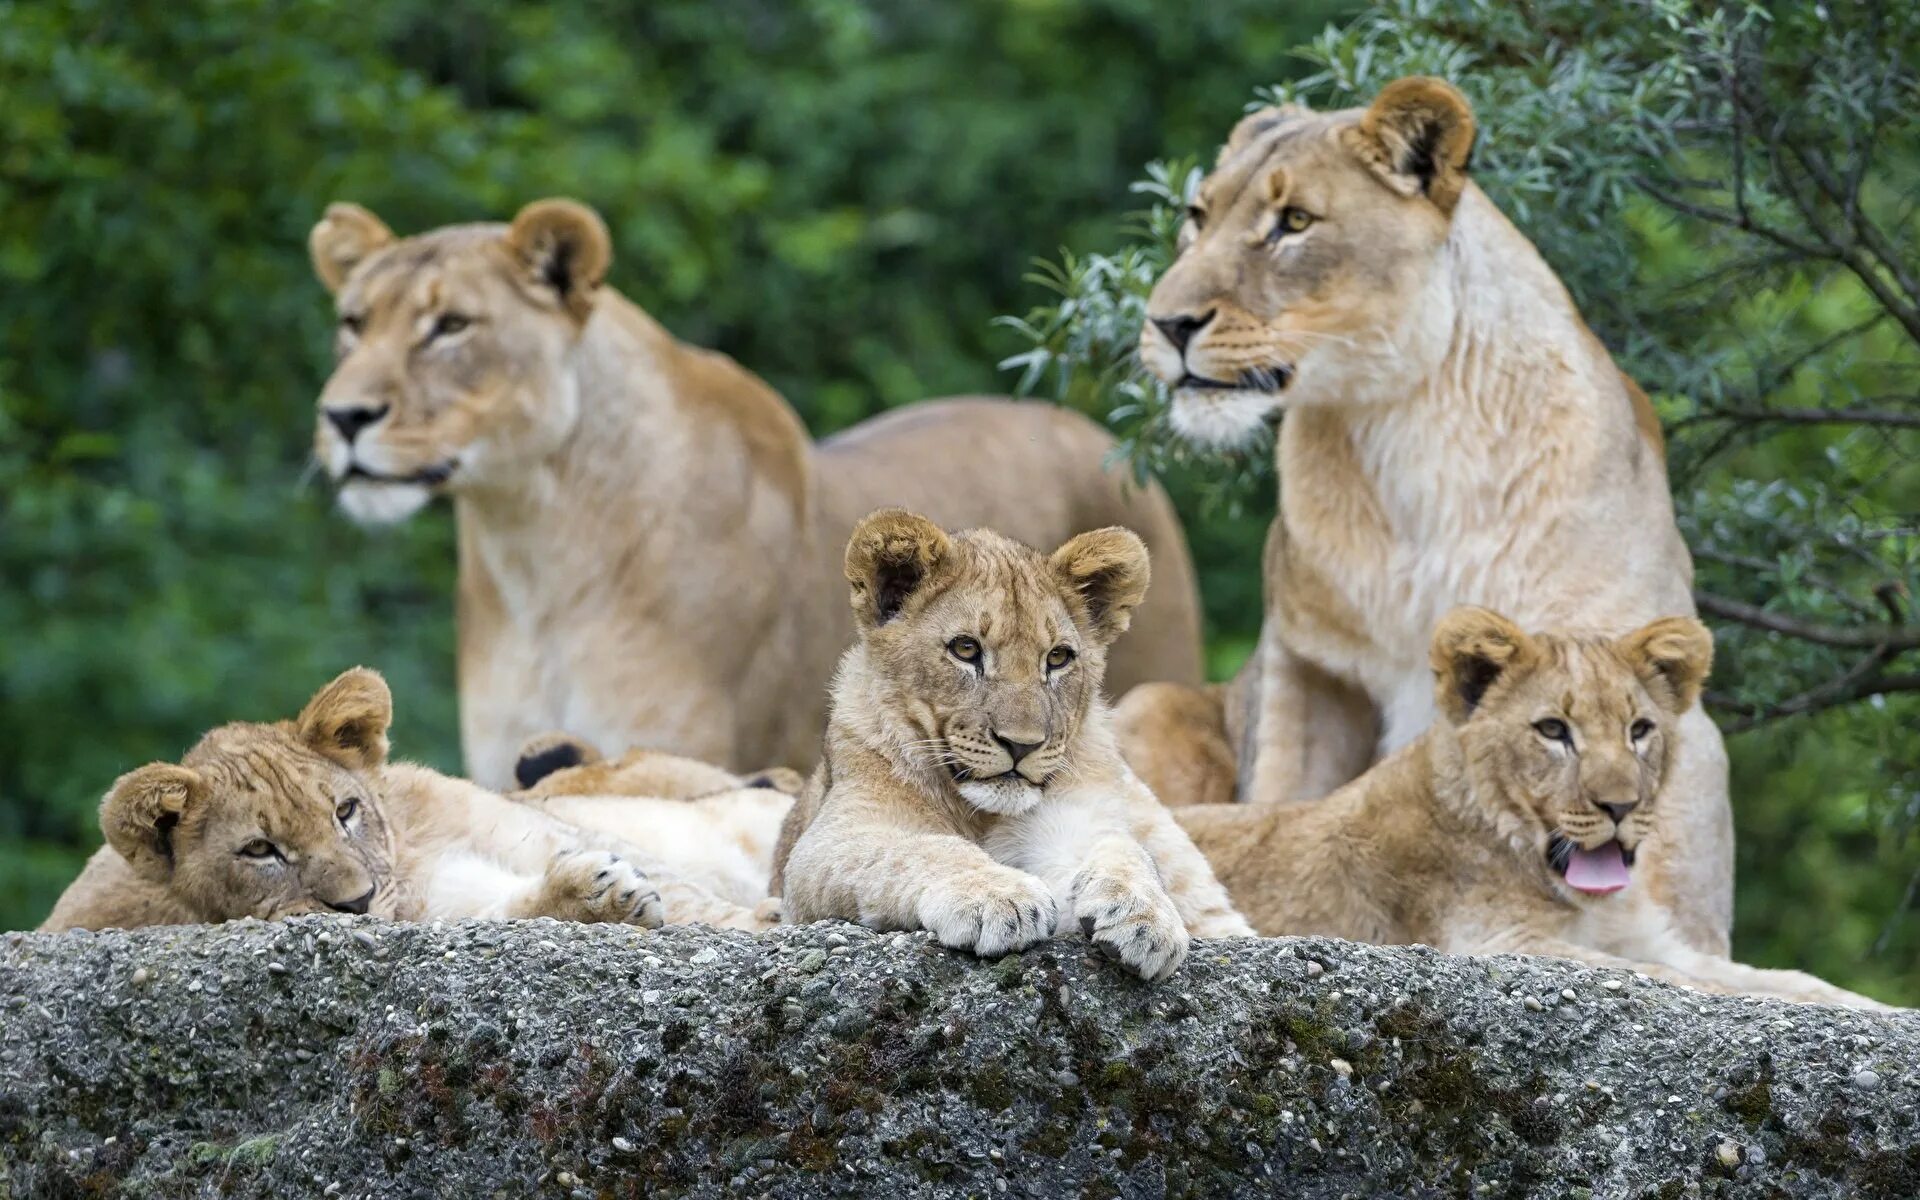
(1059,657)
(1292,220)
(449,323)
(260,848)
(346,808)
(965,649)
(1553,730)
(351,323)
(1197,215)
(1640,729)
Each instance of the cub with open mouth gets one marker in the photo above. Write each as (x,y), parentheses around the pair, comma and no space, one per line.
(970,784)
(1511,825)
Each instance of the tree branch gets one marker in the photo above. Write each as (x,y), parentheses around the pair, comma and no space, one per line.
(1892,639)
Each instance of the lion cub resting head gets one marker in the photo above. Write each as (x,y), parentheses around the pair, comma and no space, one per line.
(1513,824)
(304,816)
(970,784)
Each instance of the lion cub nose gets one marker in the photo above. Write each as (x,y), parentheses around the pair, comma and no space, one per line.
(358,905)
(350,421)
(1017,750)
(1619,811)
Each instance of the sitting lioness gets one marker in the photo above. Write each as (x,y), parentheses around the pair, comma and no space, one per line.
(308,816)
(1453,433)
(649,541)
(969,784)
(1514,824)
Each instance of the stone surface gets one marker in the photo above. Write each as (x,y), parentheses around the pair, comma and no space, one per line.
(561,1060)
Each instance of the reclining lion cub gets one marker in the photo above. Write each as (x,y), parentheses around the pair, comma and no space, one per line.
(1514,824)
(969,784)
(308,816)
(649,541)
(1453,434)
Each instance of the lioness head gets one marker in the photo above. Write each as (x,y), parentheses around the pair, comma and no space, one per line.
(453,350)
(983,656)
(1569,738)
(268,821)
(1307,261)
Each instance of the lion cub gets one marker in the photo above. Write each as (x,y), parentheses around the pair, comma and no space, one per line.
(307,816)
(969,784)
(1512,825)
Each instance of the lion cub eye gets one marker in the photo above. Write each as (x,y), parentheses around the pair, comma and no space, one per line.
(1197,215)
(352,323)
(1292,220)
(1639,730)
(260,848)
(346,808)
(1059,657)
(965,649)
(448,325)
(1553,730)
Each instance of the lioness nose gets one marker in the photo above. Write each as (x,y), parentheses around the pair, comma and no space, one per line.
(1180,329)
(1017,750)
(358,904)
(1619,811)
(350,421)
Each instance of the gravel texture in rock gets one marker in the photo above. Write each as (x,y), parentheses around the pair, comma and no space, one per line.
(346,1057)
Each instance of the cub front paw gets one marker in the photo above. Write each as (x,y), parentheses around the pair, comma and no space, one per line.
(989,913)
(1134,921)
(594,886)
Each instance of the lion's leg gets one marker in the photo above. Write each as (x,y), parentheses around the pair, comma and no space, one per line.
(1306,732)
(1691,869)
(1175,739)
(1202,901)
(1797,986)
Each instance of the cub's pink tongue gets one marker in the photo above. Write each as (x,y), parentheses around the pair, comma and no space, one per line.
(1598,871)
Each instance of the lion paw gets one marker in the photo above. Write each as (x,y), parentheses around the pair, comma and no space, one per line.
(1135,922)
(991,913)
(593,886)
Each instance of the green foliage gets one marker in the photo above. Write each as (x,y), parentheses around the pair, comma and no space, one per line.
(840,193)
(1727,190)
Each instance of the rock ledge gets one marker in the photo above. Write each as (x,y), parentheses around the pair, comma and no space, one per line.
(345,1057)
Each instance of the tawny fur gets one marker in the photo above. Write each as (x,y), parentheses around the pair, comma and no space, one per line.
(1453,434)
(649,541)
(922,815)
(1450,841)
(308,815)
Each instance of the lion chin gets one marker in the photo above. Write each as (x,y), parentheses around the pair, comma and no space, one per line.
(1008,795)
(368,502)
(1219,420)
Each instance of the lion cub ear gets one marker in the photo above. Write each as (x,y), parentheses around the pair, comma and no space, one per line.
(1109,570)
(345,236)
(347,720)
(1673,657)
(1472,648)
(891,553)
(564,245)
(139,814)
(1417,135)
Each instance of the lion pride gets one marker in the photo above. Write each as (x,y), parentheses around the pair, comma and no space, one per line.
(649,541)
(1453,434)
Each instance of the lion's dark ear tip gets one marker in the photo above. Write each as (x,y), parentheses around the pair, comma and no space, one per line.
(536,763)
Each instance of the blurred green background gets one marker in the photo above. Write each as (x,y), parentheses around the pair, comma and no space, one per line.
(843,194)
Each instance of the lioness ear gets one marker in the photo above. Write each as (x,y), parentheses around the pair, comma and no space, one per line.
(565,246)
(342,239)
(1417,135)
(891,553)
(1258,122)
(139,814)
(348,719)
(1473,647)
(1673,656)
(1108,569)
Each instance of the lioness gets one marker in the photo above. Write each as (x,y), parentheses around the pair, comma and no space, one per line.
(648,539)
(970,784)
(307,816)
(1454,434)
(1513,824)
